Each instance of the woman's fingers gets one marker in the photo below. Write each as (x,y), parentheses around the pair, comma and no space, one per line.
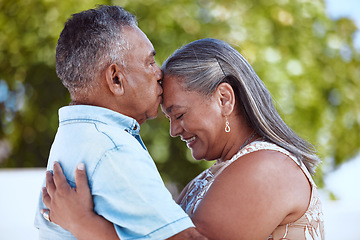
(46,197)
(46,214)
(50,185)
(62,186)
(82,186)
(47,201)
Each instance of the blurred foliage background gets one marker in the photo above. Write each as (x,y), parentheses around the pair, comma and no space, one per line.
(308,62)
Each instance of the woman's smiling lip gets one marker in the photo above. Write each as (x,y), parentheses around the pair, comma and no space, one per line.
(189,141)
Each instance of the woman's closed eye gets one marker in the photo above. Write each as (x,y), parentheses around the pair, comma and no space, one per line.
(179,116)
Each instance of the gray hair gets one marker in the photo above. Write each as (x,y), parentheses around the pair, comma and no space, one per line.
(203,64)
(90,41)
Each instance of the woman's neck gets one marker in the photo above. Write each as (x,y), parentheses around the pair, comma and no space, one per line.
(237,141)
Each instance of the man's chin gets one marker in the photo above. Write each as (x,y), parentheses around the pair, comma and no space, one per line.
(152,115)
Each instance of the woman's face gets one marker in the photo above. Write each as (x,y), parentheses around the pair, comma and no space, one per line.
(196,118)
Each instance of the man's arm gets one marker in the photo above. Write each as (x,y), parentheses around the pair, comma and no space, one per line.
(72,208)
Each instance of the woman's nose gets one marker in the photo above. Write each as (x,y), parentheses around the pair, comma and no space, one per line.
(175,129)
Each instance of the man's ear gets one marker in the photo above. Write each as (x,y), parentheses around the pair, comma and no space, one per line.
(115,79)
(226,98)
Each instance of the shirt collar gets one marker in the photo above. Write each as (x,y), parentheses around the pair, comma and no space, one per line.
(99,114)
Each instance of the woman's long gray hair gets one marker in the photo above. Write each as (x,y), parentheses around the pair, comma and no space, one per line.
(203,64)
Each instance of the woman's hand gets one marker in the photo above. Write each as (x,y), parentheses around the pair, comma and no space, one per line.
(72,208)
(68,206)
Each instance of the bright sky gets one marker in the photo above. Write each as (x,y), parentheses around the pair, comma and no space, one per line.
(345,8)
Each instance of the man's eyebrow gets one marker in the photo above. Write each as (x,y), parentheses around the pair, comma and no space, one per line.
(153,53)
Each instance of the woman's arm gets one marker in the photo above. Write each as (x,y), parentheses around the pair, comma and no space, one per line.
(72,208)
(253,196)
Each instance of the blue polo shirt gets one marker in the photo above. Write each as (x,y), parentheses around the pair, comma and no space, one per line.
(126,186)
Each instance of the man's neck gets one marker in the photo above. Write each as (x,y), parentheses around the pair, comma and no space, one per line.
(82,102)
(79,103)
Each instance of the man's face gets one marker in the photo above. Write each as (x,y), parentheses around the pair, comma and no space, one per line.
(143,76)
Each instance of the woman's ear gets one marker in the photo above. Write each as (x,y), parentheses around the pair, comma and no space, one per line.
(226,97)
(115,79)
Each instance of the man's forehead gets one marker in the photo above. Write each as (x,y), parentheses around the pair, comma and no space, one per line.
(136,37)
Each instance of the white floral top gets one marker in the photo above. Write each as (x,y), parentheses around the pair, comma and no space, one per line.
(309,227)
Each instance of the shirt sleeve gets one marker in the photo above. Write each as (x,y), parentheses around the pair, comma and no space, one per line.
(127,190)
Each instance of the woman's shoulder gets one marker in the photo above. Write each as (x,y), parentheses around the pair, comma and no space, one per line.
(274,173)
(268,172)
(262,187)
(268,164)
(263,146)
(262,156)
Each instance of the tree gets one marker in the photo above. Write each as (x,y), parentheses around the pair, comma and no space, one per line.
(307,61)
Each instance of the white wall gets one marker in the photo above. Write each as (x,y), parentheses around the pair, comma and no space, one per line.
(19,191)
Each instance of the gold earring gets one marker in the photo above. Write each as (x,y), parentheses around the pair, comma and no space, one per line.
(227,125)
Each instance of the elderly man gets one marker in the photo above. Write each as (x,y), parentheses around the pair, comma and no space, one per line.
(107,64)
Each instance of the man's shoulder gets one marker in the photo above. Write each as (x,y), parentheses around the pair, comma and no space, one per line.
(89,141)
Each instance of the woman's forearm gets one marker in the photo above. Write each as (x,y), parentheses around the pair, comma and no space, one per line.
(94,227)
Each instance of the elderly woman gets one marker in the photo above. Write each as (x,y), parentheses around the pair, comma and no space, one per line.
(260,186)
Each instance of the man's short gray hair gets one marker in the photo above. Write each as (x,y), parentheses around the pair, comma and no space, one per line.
(90,41)
(203,64)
